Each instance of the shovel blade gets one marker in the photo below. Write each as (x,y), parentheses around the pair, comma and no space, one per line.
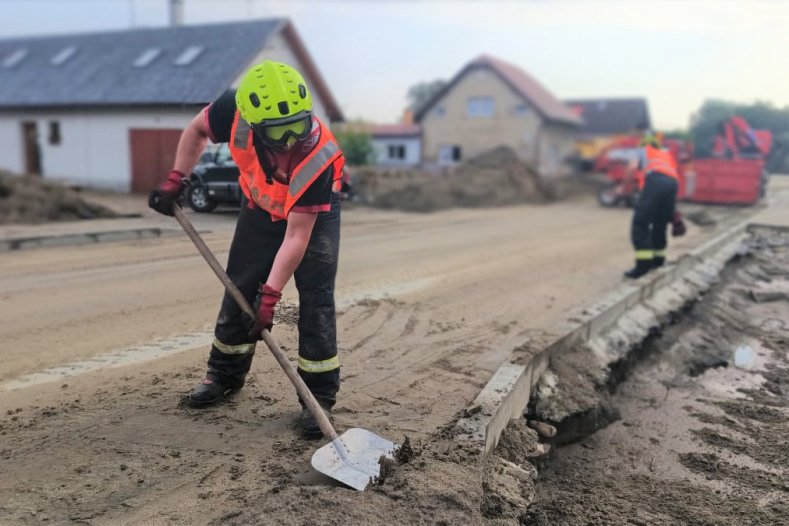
(353,458)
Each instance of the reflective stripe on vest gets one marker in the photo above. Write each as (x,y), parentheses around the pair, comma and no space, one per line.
(312,167)
(241,137)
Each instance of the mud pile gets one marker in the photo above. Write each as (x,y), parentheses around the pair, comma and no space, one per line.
(495,178)
(442,481)
(701,420)
(31,200)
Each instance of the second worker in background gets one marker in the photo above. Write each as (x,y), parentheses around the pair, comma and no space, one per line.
(658,182)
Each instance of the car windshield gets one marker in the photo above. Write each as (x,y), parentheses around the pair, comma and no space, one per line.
(208,154)
(223,155)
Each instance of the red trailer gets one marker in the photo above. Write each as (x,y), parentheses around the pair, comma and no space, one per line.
(736,174)
(724,181)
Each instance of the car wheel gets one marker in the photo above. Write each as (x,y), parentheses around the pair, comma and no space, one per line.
(198,199)
(608,195)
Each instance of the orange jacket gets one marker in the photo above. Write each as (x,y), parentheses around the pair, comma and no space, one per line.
(275,197)
(661,161)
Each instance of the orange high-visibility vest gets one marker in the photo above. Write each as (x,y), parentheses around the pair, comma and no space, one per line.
(275,197)
(661,161)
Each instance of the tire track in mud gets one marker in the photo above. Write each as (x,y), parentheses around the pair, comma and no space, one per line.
(410,352)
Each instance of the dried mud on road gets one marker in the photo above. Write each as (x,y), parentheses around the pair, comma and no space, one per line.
(699,441)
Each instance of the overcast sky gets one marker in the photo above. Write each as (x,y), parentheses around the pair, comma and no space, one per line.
(675,53)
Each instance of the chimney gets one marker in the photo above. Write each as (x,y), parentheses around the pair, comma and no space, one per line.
(176,12)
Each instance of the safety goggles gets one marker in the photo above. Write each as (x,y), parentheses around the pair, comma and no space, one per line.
(278,133)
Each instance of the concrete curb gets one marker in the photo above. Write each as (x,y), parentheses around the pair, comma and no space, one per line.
(22,243)
(508,392)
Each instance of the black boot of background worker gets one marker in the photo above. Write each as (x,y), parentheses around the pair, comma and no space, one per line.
(642,267)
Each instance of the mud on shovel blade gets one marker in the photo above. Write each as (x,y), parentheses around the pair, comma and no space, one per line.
(354,458)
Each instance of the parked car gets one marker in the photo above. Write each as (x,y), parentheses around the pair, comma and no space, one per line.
(214,181)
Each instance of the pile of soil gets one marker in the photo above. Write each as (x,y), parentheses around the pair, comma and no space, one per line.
(31,200)
(495,178)
(443,481)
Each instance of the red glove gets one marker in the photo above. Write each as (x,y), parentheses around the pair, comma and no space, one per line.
(267,300)
(678,227)
(168,193)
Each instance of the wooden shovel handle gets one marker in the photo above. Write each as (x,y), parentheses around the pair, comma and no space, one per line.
(301,388)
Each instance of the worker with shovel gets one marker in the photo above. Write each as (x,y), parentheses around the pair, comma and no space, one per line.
(289,225)
(658,176)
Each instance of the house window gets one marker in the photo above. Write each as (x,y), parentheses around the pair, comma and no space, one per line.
(479,107)
(448,154)
(521,110)
(54,132)
(63,55)
(14,58)
(396,151)
(147,57)
(188,56)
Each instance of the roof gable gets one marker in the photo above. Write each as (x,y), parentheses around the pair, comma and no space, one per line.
(615,115)
(523,84)
(183,65)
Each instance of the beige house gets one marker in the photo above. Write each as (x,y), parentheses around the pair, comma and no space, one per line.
(492,103)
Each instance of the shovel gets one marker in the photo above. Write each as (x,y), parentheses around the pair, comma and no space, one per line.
(353,458)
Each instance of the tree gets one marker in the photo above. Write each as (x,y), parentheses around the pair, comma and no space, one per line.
(420,94)
(356,146)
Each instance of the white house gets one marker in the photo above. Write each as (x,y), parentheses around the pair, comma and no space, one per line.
(396,144)
(105,110)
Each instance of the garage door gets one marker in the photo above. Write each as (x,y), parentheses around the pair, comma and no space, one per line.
(152,156)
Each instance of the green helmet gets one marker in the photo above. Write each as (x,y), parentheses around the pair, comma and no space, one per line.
(274,100)
(651,139)
(272,91)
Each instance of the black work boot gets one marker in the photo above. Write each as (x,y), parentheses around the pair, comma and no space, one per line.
(209,392)
(658,261)
(309,426)
(642,267)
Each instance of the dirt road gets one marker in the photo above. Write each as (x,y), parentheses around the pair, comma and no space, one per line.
(101,341)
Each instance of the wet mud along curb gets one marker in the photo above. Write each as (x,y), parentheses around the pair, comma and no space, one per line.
(609,328)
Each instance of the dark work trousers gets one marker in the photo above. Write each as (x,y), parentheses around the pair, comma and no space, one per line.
(654,210)
(255,244)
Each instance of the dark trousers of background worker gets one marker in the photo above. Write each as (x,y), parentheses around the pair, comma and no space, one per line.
(653,212)
(255,244)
